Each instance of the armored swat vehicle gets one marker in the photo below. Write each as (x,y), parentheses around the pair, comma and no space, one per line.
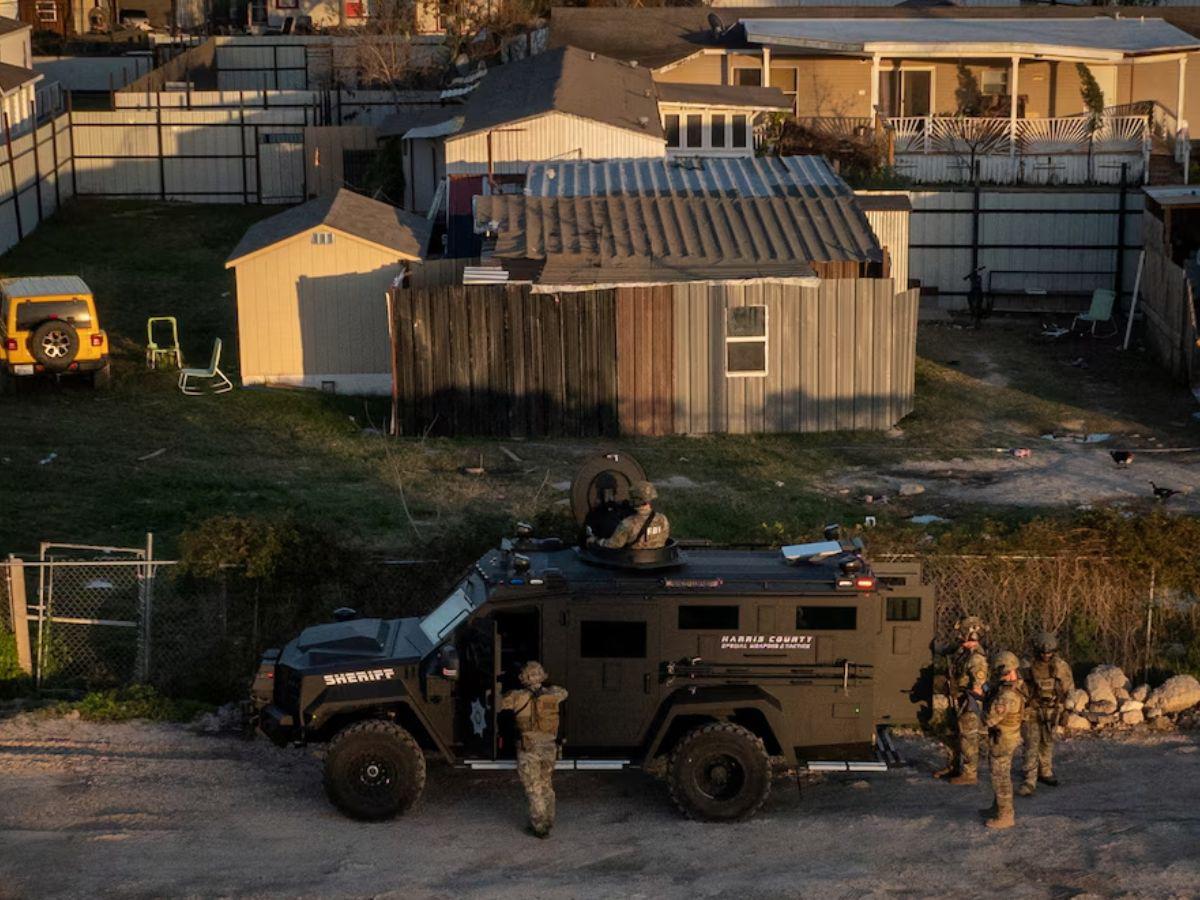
(711,668)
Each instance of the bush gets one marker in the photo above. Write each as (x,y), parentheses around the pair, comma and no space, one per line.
(135,702)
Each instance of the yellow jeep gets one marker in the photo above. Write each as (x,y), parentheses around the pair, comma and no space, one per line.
(48,325)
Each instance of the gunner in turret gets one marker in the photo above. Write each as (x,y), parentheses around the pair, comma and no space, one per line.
(645,529)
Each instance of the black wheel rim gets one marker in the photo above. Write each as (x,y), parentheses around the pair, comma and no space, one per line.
(720,777)
(373,777)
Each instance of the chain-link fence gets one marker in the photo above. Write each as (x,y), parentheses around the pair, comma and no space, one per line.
(111,622)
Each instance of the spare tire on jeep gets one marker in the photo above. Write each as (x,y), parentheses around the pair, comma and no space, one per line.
(54,344)
(720,773)
(374,770)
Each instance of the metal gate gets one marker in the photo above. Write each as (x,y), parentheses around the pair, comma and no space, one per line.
(93,614)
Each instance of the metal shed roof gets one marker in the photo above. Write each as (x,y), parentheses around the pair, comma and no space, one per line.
(655,238)
(1099,36)
(43,285)
(688,176)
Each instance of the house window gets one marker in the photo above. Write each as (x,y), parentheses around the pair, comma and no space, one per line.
(287,4)
(322,237)
(695,131)
(826,618)
(785,80)
(745,341)
(47,10)
(672,128)
(994,82)
(904,609)
(717,130)
(693,618)
(747,77)
(739,132)
(612,640)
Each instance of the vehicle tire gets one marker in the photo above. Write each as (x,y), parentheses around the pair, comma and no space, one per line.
(374,770)
(720,773)
(102,378)
(55,344)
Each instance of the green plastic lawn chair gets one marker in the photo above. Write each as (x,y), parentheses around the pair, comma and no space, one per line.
(1101,312)
(217,382)
(168,350)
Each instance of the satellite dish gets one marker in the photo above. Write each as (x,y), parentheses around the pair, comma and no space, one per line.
(716,26)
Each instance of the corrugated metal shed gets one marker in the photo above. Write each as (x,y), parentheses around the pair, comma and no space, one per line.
(43,285)
(688,176)
(625,239)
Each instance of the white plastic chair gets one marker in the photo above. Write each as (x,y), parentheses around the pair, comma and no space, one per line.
(219,382)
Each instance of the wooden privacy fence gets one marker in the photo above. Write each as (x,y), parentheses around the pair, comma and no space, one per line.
(502,360)
(1169,308)
(35,178)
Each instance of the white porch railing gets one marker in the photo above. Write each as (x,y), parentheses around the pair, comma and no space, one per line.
(958,134)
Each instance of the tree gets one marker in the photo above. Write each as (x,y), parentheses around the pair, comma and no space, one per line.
(968,94)
(1093,103)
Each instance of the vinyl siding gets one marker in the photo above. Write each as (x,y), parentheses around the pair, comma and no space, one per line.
(708,68)
(551,136)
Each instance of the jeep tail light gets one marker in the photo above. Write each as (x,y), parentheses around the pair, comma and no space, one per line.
(10,344)
(98,339)
(864,583)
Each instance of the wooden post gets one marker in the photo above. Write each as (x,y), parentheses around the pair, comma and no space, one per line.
(162,165)
(37,165)
(242,145)
(766,66)
(19,606)
(874,90)
(258,164)
(71,143)
(54,160)
(12,174)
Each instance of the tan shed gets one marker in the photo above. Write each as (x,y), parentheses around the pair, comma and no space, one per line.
(311,292)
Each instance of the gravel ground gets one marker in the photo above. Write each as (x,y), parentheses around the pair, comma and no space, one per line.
(151,810)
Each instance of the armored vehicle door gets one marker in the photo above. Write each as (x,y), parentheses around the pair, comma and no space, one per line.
(613,659)
(478,687)
(907,616)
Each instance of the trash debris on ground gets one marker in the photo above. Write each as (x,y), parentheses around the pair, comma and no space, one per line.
(511,455)
(928,519)
(869,522)
(1098,437)
(47,460)
(159,452)
(911,489)
(1078,363)
(1021,452)
(1054,331)
(779,484)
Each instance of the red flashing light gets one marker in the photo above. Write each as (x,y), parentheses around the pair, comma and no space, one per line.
(865,583)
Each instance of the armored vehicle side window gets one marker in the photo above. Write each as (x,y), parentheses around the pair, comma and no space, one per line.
(612,640)
(713,617)
(904,609)
(826,618)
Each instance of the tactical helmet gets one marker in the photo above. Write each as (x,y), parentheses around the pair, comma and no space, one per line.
(642,492)
(1005,662)
(1045,642)
(532,674)
(970,628)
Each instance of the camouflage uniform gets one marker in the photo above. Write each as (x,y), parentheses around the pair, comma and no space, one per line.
(970,669)
(645,529)
(1048,681)
(1002,715)
(536,711)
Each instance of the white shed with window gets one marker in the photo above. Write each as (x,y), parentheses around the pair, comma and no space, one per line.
(311,292)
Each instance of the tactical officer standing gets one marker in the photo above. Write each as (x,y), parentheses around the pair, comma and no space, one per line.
(968,674)
(1002,715)
(644,529)
(535,707)
(1048,680)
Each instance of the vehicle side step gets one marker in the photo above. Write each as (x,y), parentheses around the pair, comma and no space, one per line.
(576,765)
(845,765)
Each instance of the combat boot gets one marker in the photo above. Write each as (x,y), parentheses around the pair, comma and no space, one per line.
(1002,820)
(947,772)
(1026,789)
(1048,780)
(964,778)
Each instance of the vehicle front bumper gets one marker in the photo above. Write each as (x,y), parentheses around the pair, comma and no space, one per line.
(277,725)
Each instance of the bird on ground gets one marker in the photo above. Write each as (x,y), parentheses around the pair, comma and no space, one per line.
(1121,457)
(1163,494)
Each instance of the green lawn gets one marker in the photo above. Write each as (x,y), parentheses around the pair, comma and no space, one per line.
(276,452)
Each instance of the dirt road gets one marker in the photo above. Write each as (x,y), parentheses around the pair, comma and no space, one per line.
(149,810)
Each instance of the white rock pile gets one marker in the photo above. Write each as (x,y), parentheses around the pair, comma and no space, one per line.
(1112,701)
